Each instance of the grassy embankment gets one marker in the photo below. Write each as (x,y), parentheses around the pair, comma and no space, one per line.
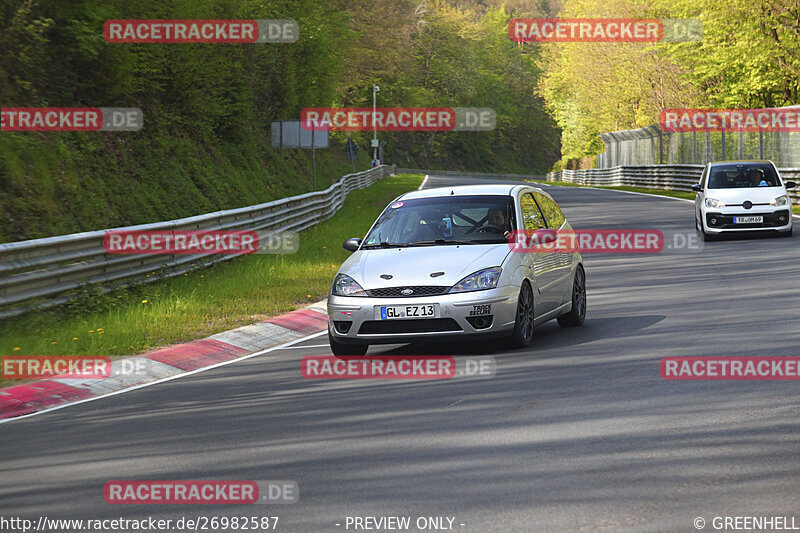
(207,301)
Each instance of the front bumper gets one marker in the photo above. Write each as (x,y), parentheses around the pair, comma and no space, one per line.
(778,219)
(354,320)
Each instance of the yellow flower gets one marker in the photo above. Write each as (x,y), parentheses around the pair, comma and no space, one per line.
(54,342)
(99,329)
(16,349)
(74,338)
(308,296)
(143,301)
(91,331)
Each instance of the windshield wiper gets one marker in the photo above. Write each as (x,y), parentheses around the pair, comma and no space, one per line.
(384,244)
(437,241)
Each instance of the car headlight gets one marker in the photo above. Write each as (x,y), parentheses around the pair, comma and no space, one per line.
(714,203)
(344,285)
(480,280)
(780,200)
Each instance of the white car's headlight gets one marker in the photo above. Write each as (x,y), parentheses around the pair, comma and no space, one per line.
(480,280)
(344,285)
(780,200)
(714,203)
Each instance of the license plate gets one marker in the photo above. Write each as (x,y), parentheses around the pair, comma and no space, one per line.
(748,220)
(390,312)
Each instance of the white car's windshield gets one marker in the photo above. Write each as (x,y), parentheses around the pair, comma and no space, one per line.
(444,220)
(742,175)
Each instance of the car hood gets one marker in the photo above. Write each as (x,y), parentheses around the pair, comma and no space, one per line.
(414,266)
(756,195)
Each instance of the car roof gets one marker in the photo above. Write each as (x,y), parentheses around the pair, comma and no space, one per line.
(468,190)
(740,162)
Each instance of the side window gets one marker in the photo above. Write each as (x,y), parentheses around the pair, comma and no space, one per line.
(703,179)
(531,216)
(552,213)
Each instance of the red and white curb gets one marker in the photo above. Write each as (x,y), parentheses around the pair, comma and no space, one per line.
(166,364)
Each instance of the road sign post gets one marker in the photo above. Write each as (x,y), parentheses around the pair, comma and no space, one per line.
(351,152)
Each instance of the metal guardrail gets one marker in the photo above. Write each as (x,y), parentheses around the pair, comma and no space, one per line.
(43,273)
(469,174)
(669,177)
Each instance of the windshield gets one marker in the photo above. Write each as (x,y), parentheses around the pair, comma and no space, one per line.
(743,175)
(444,220)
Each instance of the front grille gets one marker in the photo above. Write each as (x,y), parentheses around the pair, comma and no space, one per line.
(771,220)
(420,290)
(420,325)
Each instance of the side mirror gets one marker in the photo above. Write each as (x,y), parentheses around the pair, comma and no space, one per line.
(351,245)
(697,187)
(789,184)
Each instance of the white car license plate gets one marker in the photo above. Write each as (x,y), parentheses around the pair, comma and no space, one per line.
(390,312)
(748,220)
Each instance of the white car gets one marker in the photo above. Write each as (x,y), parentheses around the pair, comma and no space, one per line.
(444,264)
(742,196)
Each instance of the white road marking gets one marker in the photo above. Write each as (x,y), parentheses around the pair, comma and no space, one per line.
(309,346)
(421,185)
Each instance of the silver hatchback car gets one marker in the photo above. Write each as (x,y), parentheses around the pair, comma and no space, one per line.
(447,264)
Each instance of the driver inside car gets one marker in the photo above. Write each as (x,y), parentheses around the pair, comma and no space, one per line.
(756,178)
(497,219)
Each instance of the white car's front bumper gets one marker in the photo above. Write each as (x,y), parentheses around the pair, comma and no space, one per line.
(722,220)
(357,320)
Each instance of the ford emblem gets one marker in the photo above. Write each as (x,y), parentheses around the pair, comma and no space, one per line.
(406,292)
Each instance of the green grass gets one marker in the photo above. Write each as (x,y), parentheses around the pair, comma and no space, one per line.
(68,182)
(206,301)
(660,192)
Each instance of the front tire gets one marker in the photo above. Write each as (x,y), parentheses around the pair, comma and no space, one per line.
(522,337)
(577,314)
(705,237)
(339,348)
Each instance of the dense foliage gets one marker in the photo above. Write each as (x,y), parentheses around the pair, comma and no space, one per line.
(208,107)
(749,57)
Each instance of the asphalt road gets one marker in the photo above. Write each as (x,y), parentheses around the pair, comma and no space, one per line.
(577,433)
